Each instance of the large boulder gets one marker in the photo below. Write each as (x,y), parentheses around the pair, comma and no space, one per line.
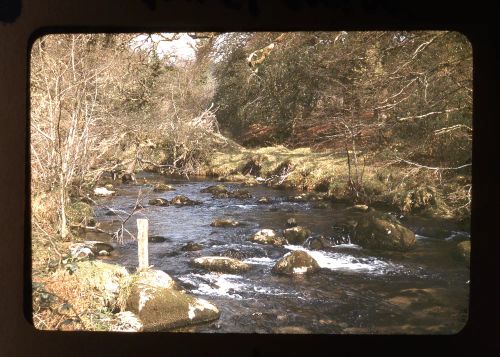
(382,232)
(268,236)
(160,306)
(296,235)
(463,251)
(296,262)
(182,200)
(221,264)
(224,223)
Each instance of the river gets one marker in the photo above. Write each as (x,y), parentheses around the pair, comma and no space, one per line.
(357,291)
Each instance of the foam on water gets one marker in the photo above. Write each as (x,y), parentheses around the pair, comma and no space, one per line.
(260,261)
(229,285)
(341,261)
(215,284)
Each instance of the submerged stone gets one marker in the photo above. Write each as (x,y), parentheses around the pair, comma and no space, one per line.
(224,223)
(191,247)
(182,200)
(162,187)
(215,189)
(463,251)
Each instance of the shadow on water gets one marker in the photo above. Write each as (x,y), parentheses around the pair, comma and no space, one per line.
(356,291)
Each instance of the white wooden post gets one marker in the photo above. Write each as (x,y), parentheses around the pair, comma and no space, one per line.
(142,242)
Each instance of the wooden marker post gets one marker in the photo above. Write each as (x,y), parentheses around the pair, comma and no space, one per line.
(142,242)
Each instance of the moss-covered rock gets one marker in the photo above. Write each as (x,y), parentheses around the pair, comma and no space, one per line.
(268,236)
(296,262)
(160,306)
(79,212)
(224,223)
(221,264)
(463,251)
(296,235)
(107,280)
(380,232)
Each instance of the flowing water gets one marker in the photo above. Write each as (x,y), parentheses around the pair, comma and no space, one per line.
(358,291)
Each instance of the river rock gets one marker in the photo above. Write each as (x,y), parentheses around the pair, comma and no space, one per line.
(296,262)
(234,254)
(216,189)
(318,243)
(463,251)
(382,232)
(264,200)
(103,191)
(268,236)
(221,264)
(241,194)
(224,223)
(192,247)
(157,239)
(88,249)
(182,200)
(162,187)
(128,177)
(291,222)
(434,232)
(160,306)
(359,208)
(159,202)
(296,235)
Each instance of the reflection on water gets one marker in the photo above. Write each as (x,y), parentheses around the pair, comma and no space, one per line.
(356,291)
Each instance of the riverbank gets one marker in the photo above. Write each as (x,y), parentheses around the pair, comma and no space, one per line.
(384,182)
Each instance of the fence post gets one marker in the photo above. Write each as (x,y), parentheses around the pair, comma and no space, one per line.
(142,242)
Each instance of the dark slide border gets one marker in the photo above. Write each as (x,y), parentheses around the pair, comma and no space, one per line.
(22,21)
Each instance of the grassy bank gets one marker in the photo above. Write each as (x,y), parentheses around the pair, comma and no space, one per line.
(384,181)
